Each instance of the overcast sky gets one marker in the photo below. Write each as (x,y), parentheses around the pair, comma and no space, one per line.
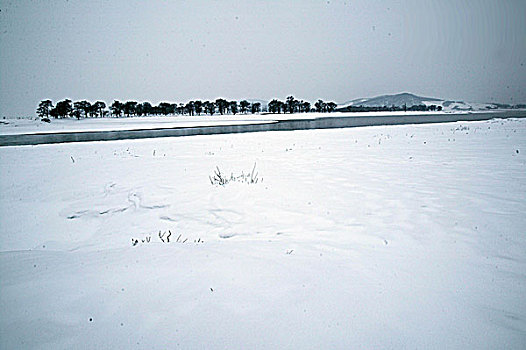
(334,50)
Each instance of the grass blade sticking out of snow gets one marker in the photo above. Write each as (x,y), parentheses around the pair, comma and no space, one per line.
(220,179)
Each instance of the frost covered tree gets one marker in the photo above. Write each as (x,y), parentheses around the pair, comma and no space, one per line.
(222,105)
(291,104)
(64,108)
(256,107)
(209,107)
(232,106)
(138,109)
(93,111)
(331,107)
(190,108)
(81,107)
(198,107)
(281,106)
(272,106)
(243,106)
(165,108)
(180,109)
(305,107)
(275,106)
(54,113)
(116,108)
(146,108)
(44,107)
(129,108)
(320,106)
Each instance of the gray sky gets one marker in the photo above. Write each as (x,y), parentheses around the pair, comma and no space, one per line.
(334,50)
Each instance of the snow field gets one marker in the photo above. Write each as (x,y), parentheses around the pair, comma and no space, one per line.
(378,237)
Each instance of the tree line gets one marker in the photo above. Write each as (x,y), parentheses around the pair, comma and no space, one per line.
(85,109)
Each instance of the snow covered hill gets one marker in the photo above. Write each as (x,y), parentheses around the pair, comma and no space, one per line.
(397,100)
(409,100)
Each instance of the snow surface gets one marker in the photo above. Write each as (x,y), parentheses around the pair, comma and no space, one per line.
(378,237)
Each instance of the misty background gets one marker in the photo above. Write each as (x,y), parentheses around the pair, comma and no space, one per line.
(335,50)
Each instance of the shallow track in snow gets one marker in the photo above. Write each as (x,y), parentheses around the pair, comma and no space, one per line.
(281,125)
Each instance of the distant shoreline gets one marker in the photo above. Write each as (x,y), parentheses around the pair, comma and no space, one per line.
(329,122)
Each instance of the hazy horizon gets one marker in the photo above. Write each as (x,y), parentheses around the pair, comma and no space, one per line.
(334,50)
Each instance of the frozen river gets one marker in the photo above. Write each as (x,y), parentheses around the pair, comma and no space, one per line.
(121,129)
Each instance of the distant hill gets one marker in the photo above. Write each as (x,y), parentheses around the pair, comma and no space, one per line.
(398,100)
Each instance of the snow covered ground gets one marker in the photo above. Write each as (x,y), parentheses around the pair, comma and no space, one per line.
(30,126)
(377,237)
